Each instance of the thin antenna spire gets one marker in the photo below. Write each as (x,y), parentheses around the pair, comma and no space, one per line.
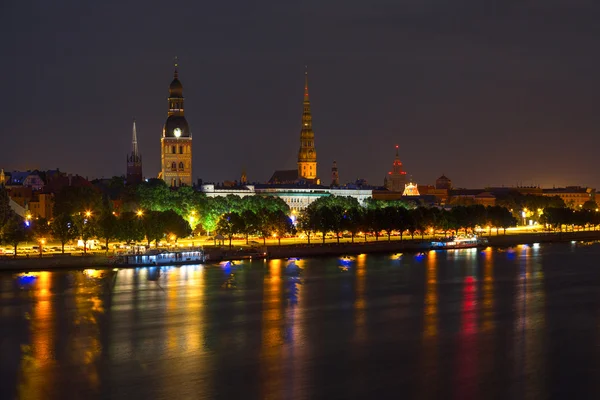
(396,151)
(176,74)
(134,143)
(306,83)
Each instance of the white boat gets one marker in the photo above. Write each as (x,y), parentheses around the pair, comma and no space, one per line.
(458,243)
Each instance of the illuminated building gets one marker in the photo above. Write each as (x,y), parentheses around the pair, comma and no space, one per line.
(410,189)
(396,178)
(176,141)
(134,161)
(307,155)
(296,196)
(335,177)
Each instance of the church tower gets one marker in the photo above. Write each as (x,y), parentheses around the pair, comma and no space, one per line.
(176,141)
(307,155)
(134,161)
(335,177)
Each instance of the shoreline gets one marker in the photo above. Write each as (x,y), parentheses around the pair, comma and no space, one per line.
(292,251)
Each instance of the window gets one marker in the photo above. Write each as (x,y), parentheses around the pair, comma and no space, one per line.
(173,166)
(173,150)
(181,166)
(180,149)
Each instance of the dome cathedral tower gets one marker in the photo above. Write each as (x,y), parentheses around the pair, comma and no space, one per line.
(176,140)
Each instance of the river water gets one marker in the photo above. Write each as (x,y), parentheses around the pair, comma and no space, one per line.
(466,324)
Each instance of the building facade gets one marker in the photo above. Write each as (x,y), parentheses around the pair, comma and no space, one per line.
(176,141)
(297,197)
(307,155)
(573,196)
(134,161)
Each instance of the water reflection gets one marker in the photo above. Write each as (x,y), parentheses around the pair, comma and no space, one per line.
(430,343)
(460,324)
(530,325)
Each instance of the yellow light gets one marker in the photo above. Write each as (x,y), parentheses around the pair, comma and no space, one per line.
(140,213)
(274,235)
(88,214)
(28,216)
(173,237)
(193,212)
(43,241)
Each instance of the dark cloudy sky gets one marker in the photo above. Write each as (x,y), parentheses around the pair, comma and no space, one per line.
(487,92)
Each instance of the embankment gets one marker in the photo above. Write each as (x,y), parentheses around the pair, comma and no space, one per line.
(382,246)
(53,262)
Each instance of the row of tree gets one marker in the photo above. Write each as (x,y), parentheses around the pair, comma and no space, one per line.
(200,211)
(338,215)
(128,227)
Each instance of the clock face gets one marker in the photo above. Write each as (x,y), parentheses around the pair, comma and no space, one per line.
(177,132)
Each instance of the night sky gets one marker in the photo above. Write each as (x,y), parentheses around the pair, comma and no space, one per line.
(487,92)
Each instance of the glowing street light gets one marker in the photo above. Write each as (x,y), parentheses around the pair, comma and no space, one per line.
(88,214)
(140,213)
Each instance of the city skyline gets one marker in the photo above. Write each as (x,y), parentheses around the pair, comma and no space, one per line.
(485,107)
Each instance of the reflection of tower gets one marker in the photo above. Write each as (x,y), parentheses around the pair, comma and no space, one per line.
(335,178)
(307,155)
(396,178)
(134,161)
(176,141)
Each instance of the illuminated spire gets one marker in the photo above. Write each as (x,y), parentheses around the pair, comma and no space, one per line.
(307,155)
(397,156)
(134,144)
(176,74)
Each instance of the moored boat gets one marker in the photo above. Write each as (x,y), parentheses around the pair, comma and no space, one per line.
(458,243)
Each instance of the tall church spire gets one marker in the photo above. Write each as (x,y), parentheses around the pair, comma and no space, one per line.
(307,155)
(134,160)
(176,73)
(134,144)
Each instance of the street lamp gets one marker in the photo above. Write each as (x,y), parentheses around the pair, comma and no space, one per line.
(42,243)
(140,213)
(88,214)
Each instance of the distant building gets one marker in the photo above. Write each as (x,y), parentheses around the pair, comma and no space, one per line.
(134,161)
(443,182)
(466,197)
(176,141)
(410,189)
(395,180)
(286,176)
(441,195)
(573,196)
